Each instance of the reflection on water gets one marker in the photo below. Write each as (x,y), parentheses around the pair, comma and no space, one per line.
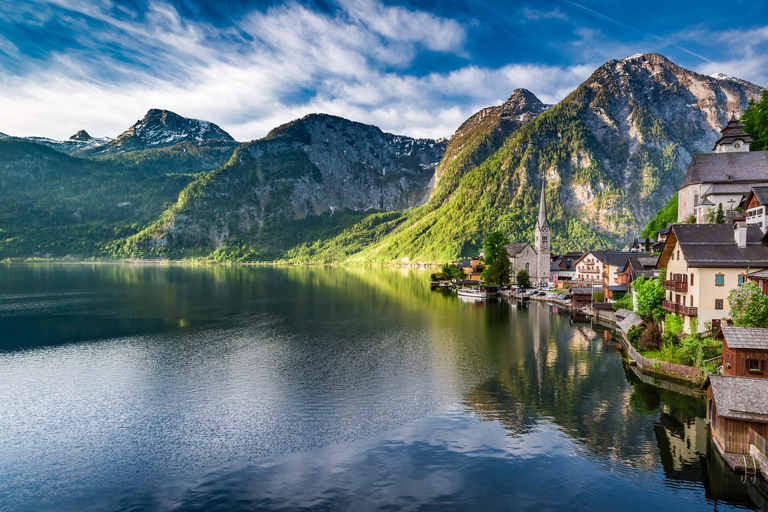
(140,387)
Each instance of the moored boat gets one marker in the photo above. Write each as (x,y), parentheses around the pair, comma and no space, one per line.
(475,293)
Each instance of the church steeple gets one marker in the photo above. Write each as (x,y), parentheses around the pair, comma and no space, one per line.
(542,239)
(734,137)
(542,221)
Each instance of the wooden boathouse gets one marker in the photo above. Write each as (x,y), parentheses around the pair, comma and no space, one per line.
(736,405)
(745,351)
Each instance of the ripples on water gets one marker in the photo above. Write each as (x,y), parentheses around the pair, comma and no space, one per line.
(164,388)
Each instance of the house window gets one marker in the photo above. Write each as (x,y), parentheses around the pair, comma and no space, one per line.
(742,279)
(691,300)
(691,279)
(696,198)
(528,268)
(719,280)
(543,238)
(718,303)
(678,254)
(755,365)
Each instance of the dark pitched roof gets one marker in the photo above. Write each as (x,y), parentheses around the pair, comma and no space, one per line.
(599,255)
(554,266)
(713,245)
(517,248)
(761,193)
(752,338)
(740,398)
(734,130)
(760,274)
(627,319)
(619,259)
(746,166)
(728,188)
(641,266)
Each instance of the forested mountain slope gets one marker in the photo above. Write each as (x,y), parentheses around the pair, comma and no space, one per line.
(610,155)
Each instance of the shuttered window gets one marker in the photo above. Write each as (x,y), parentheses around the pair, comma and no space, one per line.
(719,280)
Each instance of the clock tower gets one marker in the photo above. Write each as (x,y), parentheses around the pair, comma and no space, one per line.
(542,242)
(734,138)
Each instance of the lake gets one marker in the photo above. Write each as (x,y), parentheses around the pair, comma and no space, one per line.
(138,387)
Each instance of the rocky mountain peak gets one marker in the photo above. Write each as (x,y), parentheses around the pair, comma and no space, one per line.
(81,135)
(162,128)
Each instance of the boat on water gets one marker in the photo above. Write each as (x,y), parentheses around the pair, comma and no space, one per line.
(478,292)
(474,293)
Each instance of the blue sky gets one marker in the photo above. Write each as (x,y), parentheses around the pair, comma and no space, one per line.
(413,67)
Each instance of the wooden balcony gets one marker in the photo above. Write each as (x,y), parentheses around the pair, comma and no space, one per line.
(674,307)
(675,286)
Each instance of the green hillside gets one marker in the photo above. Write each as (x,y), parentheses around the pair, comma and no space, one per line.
(54,205)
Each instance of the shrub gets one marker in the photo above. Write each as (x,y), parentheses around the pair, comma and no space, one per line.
(523,278)
(673,327)
(624,302)
(749,306)
(651,338)
(598,297)
(634,334)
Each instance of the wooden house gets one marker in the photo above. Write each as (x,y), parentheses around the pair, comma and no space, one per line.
(734,406)
(745,351)
(704,263)
(472,269)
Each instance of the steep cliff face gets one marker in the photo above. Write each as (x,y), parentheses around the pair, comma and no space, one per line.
(308,167)
(610,155)
(645,118)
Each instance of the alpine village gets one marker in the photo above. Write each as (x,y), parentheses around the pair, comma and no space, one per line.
(689,300)
(521,185)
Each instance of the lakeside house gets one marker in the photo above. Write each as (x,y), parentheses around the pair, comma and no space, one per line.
(639,244)
(636,267)
(734,406)
(704,263)
(590,268)
(661,238)
(472,269)
(614,262)
(755,207)
(562,270)
(723,177)
(745,351)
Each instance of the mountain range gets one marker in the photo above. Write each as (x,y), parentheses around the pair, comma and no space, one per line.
(324,189)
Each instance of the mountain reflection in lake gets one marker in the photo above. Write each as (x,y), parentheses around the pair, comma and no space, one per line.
(224,388)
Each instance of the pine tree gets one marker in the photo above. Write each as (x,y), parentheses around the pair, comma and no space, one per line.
(720,216)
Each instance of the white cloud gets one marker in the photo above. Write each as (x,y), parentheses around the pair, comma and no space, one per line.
(270,68)
(535,14)
(746,50)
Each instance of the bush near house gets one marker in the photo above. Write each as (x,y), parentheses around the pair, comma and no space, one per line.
(749,306)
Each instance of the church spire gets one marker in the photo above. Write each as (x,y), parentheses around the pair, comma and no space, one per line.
(542,240)
(542,209)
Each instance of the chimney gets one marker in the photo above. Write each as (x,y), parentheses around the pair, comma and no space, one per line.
(740,234)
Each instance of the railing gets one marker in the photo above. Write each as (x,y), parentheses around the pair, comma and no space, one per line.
(674,307)
(675,286)
(589,271)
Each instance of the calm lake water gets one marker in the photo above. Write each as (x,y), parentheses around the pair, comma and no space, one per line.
(182,388)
